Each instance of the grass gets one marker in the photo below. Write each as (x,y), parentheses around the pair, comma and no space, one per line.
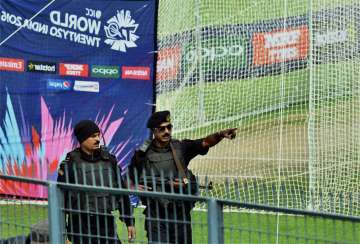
(247,227)
(244,227)
(252,106)
(16,219)
(254,96)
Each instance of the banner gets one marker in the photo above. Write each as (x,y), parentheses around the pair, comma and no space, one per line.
(336,34)
(62,62)
(233,52)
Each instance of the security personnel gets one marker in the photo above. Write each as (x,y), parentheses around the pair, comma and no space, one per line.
(165,160)
(89,214)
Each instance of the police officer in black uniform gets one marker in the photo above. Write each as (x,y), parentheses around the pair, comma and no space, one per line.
(89,218)
(165,161)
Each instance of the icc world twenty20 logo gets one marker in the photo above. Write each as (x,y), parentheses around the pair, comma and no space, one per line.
(120,31)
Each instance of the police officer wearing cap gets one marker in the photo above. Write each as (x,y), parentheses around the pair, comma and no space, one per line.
(89,218)
(167,159)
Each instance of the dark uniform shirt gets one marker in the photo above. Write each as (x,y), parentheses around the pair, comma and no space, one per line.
(161,224)
(99,169)
(192,148)
(156,160)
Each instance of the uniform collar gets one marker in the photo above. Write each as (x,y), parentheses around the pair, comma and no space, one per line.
(91,158)
(159,149)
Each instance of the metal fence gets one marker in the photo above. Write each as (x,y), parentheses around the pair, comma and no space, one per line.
(222,222)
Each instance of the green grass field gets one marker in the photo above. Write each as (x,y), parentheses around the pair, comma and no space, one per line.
(239,227)
(246,96)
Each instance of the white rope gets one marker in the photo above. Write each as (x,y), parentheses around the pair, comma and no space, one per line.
(280,147)
(23,25)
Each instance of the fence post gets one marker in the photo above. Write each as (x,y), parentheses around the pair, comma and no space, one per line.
(215,222)
(56,220)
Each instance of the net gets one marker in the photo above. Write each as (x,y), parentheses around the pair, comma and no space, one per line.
(287,77)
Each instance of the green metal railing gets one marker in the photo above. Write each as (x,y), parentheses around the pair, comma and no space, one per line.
(225,221)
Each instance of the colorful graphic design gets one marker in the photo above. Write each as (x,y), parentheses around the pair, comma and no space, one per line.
(40,152)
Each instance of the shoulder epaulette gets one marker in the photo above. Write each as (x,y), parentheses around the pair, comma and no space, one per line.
(61,168)
(67,158)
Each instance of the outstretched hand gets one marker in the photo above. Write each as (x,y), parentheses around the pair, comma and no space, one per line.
(213,139)
(131,233)
(229,133)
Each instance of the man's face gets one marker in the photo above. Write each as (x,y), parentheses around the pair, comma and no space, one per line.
(92,143)
(163,133)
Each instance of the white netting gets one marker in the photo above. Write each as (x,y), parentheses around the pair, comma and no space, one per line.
(286,73)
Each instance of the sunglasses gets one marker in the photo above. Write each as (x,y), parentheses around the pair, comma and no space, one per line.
(163,128)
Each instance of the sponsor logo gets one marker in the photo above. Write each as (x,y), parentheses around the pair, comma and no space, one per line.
(59,85)
(218,54)
(168,63)
(120,31)
(280,46)
(74,69)
(43,67)
(331,37)
(135,72)
(339,38)
(101,71)
(12,64)
(86,86)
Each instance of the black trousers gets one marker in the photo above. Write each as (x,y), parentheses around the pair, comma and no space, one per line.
(169,223)
(85,228)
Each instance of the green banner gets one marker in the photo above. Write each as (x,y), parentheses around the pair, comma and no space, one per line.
(102,71)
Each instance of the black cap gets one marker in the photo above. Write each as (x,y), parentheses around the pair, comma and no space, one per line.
(158,118)
(84,129)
